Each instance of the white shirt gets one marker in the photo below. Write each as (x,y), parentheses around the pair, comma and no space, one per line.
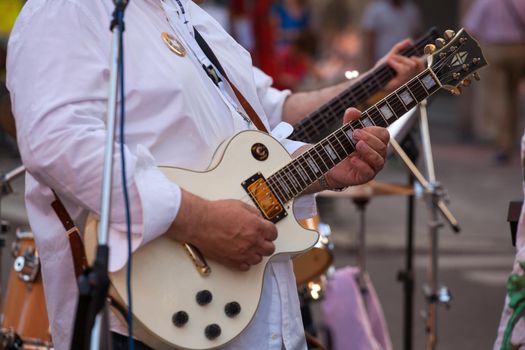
(390,23)
(58,75)
(497,21)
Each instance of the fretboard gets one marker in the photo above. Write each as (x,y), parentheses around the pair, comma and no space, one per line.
(317,123)
(298,175)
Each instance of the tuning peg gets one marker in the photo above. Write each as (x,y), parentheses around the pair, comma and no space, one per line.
(440,42)
(476,60)
(456,91)
(429,49)
(449,34)
(466,82)
(476,76)
(456,76)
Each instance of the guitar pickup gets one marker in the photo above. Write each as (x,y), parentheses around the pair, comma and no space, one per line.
(264,198)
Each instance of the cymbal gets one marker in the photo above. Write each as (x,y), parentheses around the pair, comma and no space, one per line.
(371,189)
(7,122)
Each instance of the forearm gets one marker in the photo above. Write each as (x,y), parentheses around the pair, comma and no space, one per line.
(299,105)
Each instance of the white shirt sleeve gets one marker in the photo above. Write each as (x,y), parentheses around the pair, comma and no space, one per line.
(60,116)
(272,100)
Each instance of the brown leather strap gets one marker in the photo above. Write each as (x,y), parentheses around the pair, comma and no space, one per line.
(256,120)
(247,107)
(78,250)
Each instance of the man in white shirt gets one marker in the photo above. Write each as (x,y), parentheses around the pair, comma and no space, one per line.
(58,71)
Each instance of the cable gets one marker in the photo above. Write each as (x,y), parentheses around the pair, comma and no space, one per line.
(120,23)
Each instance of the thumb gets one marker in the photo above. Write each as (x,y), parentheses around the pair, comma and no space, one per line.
(351,114)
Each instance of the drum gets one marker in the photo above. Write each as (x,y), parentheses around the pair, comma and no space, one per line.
(311,265)
(25,323)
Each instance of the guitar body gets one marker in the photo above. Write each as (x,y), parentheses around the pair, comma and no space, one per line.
(165,279)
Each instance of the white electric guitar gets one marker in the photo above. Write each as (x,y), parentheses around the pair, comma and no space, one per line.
(184,300)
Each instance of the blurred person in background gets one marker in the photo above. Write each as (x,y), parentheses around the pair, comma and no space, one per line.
(290,18)
(500,27)
(385,22)
(241,18)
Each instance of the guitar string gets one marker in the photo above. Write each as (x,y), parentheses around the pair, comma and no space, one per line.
(272,183)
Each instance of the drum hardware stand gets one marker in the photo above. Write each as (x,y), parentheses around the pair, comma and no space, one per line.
(434,195)
(91,323)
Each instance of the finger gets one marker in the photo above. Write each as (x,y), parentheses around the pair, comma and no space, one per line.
(368,155)
(351,114)
(419,61)
(266,248)
(244,267)
(377,137)
(254,259)
(400,46)
(402,64)
(363,168)
(269,231)
(251,209)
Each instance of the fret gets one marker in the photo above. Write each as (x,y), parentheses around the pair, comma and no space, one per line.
(397,106)
(347,140)
(304,165)
(302,173)
(377,116)
(331,151)
(318,150)
(274,186)
(291,181)
(312,164)
(407,98)
(428,82)
(348,132)
(366,120)
(356,124)
(417,89)
(387,112)
(341,151)
(283,185)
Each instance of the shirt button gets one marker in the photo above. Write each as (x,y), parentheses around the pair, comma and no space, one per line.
(275,336)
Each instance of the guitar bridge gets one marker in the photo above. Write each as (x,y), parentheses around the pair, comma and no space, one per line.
(264,198)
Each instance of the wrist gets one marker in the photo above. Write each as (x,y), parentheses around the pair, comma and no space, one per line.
(326,184)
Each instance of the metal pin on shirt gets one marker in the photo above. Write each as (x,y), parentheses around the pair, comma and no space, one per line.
(173,44)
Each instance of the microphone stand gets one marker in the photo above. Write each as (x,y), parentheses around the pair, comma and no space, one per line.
(91,326)
(434,195)
(5,189)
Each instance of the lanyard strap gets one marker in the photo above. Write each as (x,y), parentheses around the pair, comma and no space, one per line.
(244,102)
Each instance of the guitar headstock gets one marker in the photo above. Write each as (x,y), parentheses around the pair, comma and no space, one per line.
(457,60)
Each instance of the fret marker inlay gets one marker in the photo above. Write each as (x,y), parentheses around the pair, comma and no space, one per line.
(312,164)
(428,81)
(330,151)
(367,122)
(406,98)
(350,136)
(386,112)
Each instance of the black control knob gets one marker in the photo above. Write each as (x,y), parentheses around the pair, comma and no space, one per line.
(204,297)
(180,318)
(232,309)
(212,331)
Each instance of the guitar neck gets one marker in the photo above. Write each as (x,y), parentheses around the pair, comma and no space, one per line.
(298,175)
(311,128)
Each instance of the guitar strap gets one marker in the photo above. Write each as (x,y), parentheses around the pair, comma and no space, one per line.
(73,233)
(256,120)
